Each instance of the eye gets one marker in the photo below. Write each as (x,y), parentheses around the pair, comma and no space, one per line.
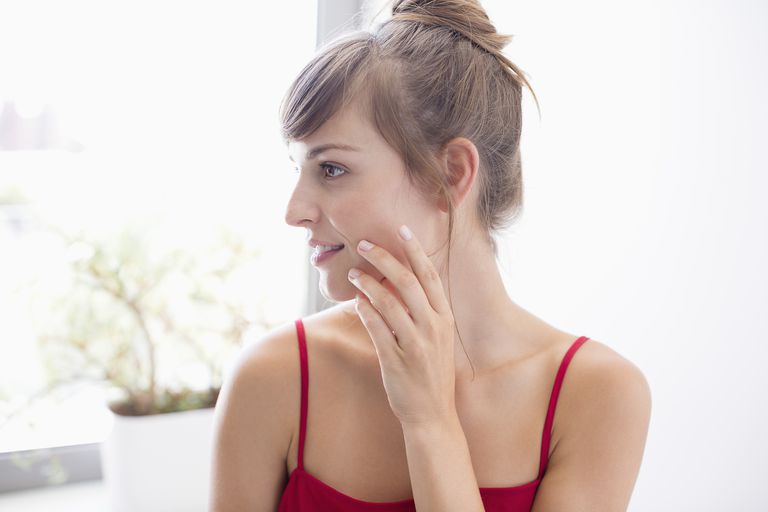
(332,168)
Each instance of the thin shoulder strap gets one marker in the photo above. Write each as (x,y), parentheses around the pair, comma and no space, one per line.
(304,390)
(545,437)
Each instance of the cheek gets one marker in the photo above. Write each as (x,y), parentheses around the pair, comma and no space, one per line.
(371,214)
(357,207)
(366,214)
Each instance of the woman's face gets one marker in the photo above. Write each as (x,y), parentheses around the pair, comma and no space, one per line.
(358,190)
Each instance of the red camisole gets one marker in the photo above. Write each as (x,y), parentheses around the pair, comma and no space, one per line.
(305,492)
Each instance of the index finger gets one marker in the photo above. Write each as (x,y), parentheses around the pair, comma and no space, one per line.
(425,271)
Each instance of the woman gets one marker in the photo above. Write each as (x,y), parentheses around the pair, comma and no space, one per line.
(430,388)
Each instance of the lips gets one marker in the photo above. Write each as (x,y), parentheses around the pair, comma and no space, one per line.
(314,243)
(318,256)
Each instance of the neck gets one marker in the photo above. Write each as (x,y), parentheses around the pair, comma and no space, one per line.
(489,327)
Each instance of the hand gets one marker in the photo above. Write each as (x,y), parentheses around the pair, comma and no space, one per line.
(412,333)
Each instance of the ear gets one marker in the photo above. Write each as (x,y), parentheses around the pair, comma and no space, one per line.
(460,161)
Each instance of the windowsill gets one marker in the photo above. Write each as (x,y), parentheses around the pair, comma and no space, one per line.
(89,496)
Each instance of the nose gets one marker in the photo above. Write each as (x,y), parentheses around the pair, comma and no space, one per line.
(301,206)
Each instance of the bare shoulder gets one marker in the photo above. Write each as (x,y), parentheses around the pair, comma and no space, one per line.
(269,350)
(602,419)
(597,371)
(598,376)
(269,366)
(267,363)
(253,424)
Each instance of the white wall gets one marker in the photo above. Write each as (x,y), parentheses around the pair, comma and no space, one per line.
(644,225)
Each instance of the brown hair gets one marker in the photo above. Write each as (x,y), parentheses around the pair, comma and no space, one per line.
(432,72)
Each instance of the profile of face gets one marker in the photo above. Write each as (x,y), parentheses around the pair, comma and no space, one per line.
(351,185)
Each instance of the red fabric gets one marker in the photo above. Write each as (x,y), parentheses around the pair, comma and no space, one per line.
(304,492)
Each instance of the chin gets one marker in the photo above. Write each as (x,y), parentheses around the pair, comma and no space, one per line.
(337,292)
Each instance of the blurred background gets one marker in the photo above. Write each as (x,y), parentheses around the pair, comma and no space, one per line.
(142,239)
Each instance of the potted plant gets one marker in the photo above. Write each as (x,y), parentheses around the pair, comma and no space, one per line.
(156,324)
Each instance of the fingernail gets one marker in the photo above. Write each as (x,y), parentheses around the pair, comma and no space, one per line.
(365,245)
(405,232)
(354,273)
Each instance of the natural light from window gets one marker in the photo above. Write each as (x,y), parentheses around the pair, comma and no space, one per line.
(147,133)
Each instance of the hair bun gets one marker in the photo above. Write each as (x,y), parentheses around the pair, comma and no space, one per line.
(466,17)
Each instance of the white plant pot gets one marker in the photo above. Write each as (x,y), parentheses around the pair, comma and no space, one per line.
(159,463)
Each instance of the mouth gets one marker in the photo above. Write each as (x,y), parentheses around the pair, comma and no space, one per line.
(323,252)
(328,248)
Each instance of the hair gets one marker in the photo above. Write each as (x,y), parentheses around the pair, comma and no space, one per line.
(432,72)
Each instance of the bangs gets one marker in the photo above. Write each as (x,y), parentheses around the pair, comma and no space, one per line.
(327,84)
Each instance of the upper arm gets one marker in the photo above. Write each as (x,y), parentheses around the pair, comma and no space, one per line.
(252,429)
(606,414)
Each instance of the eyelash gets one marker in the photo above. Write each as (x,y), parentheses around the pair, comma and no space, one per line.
(326,166)
(331,166)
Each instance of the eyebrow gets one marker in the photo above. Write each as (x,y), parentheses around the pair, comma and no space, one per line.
(312,153)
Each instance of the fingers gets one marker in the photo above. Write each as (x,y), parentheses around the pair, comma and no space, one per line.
(425,271)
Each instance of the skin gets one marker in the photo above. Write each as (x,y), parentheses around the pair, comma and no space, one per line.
(330,204)
(361,437)
(603,412)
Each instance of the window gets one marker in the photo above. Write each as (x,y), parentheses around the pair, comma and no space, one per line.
(154,125)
